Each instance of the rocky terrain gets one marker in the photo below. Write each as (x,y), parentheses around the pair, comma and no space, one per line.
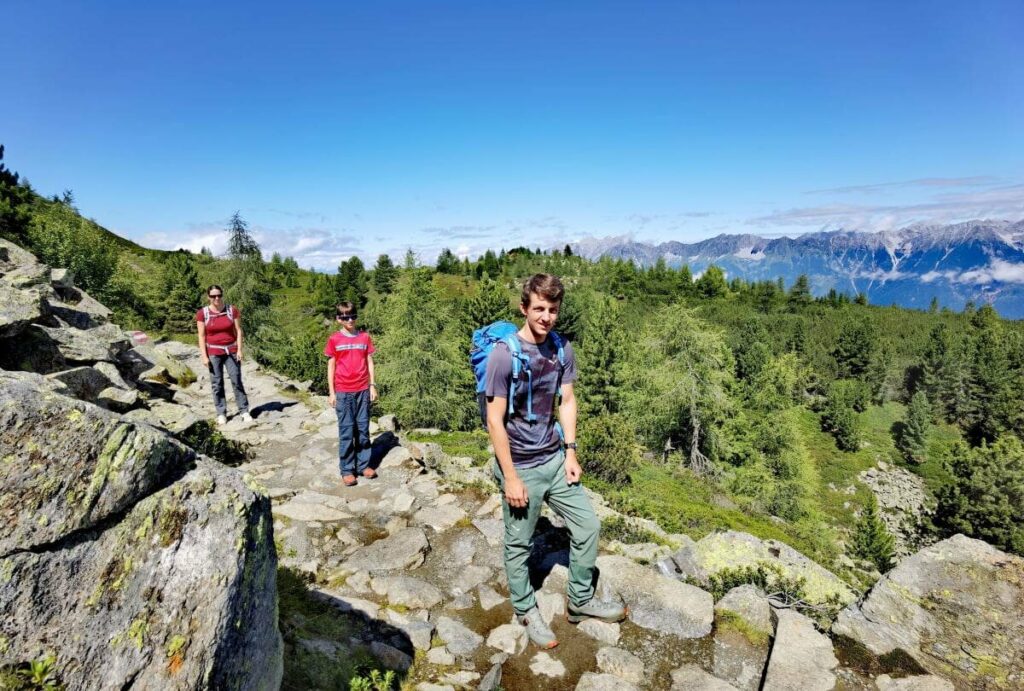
(136,561)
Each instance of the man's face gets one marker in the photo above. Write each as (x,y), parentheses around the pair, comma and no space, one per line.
(541,314)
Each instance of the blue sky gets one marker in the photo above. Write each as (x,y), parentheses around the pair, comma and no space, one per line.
(343,127)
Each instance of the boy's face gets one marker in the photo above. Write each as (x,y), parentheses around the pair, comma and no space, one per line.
(541,314)
(347,321)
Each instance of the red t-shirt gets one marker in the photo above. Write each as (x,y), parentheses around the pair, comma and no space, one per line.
(351,372)
(220,330)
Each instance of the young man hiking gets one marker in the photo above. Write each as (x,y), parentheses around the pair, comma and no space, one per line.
(533,464)
(350,381)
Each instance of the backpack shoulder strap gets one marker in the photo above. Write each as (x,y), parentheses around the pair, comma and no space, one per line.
(206,316)
(231,313)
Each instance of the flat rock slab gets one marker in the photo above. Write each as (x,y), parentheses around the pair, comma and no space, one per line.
(508,638)
(406,549)
(656,602)
(439,518)
(600,631)
(492,528)
(956,607)
(743,633)
(692,678)
(407,591)
(298,510)
(802,658)
(458,638)
(591,681)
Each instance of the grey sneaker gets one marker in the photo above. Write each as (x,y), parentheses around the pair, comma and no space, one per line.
(245,417)
(611,612)
(537,630)
(222,420)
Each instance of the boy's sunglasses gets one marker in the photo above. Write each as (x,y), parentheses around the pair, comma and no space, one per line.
(347,317)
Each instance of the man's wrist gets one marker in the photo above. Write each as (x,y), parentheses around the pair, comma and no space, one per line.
(569,445)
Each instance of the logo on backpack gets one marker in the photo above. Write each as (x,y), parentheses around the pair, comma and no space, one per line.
(484,340)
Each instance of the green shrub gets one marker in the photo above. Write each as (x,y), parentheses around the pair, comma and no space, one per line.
(608,448)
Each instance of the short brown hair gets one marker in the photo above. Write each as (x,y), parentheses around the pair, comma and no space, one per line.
(547,286)
(345,308)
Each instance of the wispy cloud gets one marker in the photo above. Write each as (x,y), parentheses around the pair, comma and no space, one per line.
(311,246)
(1004,202)
(997,271)
(973,181)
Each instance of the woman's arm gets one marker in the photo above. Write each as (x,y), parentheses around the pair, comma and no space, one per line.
(201,327)
(238,335)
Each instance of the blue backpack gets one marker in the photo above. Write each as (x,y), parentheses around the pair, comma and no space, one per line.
(484,340)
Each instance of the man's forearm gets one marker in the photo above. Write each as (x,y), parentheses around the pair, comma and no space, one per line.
(499,440)
(567,418)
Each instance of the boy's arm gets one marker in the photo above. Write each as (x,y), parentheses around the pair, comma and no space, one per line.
(567,418)
(373,378)
(330,380)
(515,490)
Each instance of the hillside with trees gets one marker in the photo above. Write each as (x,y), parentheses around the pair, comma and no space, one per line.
(706,403)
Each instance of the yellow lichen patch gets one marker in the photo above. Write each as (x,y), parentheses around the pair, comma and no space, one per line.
(137,631)
(75,415)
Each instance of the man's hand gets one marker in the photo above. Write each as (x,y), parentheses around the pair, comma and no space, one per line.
(331,399)
(573,470)
(515,492)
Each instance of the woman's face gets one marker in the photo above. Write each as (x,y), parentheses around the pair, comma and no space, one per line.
(216,298)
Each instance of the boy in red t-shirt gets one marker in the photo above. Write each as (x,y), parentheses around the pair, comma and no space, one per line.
(350,380)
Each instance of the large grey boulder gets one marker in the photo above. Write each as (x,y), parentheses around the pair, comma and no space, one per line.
(957,608)
(134,562)
(79,309)
(732,550)
(103,343)
(802,658)
(83,382)
(656,602)
(743,634)
(23,289)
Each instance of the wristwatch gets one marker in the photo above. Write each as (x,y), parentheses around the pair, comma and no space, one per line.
(569,445)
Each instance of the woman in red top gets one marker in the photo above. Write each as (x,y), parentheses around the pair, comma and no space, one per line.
(220,346)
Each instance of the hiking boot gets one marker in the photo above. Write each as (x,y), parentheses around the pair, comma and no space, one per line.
(222,419)
(611,612)
(539,632)
(245,417)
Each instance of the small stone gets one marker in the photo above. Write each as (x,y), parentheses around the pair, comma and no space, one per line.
(440,656)
(492,528)
(489,597)
(600,630)
(440,518)
(463,678)
(546,665)
(396,457)
(407,591)
(459,639)
(493,502)
(387,423)
(464,601)
(620,663)
(402,501)
(491,680)
(801,656)
(509,638)
(469,577)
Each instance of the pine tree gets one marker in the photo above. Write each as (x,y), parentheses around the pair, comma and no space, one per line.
(712,284)
(913,440)
(423,375)
(752,351)
(991,400)
(182,293)
(447,263)
(568,250)
(986,493)
(241,244)
(871,541)
(384,275)
(322,297)
(855,348)
(599,359)
(491,303)
(350,282)
(15,199)
(800,293)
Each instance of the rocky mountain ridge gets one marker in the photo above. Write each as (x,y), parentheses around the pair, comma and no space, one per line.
(979,260)
(143,563)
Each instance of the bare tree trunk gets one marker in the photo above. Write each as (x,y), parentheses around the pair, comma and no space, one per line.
(699,463)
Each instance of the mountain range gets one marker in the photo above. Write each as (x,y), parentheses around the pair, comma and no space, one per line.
(980,261)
